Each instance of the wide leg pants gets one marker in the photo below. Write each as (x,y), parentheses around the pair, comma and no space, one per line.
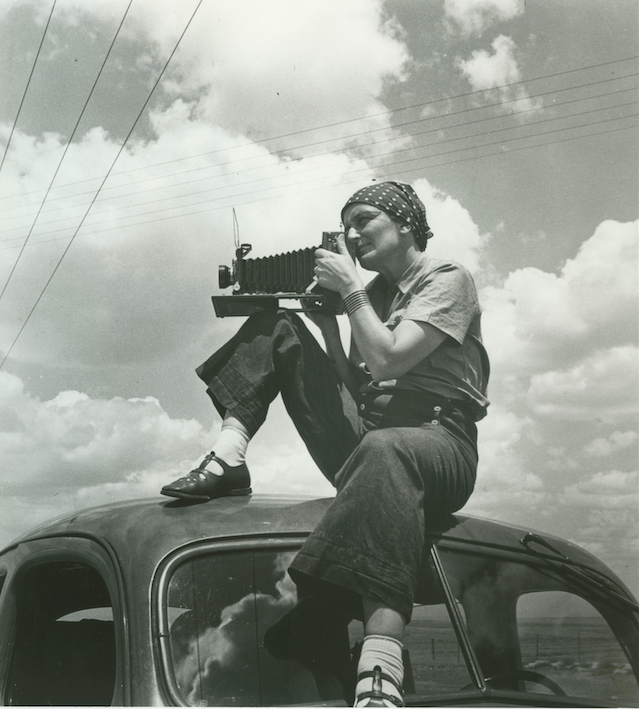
(394,471)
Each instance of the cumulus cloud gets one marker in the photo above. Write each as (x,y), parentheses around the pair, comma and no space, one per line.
(618,440)
(538,319)
(499,71)
(563,350)
(506,488)
(475,16)
(73,440)
(145,260)
(74,451)
(603,386)
(457,236)
(613,489)
(278,70)
(262,76)
(606,515)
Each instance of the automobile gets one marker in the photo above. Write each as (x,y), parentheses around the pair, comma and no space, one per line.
(156,603)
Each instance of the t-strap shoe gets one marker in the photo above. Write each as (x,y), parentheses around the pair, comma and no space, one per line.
(376,697)
(202,484)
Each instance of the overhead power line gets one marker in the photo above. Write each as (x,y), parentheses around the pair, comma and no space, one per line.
(68,145)
(357,171)
(394,152)
(26,88)
(436,129)
(393,111)
(66,250)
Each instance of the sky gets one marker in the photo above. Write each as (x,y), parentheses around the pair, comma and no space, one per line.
(131,132)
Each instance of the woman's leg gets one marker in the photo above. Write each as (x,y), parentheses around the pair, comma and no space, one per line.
(272,353)
(380,668)
(370,542)
(379,619)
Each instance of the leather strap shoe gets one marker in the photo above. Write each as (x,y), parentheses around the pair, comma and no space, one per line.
(201,484)
(376,697)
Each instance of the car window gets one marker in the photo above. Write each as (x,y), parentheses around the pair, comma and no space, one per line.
(239,635)
(565,638)
(219,608)
(534,630)
(64,653)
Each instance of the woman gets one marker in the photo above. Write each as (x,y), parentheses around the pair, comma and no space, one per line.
(392,426)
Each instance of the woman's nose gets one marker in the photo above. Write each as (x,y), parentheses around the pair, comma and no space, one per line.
(352,234)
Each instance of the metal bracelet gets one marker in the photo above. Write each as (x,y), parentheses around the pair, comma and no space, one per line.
(356,300)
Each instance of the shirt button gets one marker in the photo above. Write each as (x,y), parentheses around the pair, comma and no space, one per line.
(362,407)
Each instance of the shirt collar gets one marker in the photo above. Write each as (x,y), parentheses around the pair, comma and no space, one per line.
(408,279)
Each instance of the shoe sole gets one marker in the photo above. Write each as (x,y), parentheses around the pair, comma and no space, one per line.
(205,498)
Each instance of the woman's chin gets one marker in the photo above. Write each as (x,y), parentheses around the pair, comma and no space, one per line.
(367,260)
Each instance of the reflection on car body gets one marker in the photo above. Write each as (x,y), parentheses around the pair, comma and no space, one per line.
(158,603)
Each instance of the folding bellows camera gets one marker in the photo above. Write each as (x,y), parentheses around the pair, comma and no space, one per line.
(261,283)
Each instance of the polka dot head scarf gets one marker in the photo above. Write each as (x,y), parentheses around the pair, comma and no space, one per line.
(400,201)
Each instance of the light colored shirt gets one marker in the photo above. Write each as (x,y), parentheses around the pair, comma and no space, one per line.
(443,294)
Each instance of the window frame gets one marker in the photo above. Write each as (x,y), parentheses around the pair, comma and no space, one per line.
(291,542)
(545,566)
(64,549)
(160,623)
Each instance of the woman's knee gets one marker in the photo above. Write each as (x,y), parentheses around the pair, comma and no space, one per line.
(379,460)
(381,443)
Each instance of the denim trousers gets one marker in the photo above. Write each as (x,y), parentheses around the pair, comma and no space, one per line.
(397,462)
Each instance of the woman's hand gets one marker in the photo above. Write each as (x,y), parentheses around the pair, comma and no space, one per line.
(326,322)
(336,271)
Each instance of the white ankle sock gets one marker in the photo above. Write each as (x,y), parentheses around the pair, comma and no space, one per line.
(386,653)
(230,447)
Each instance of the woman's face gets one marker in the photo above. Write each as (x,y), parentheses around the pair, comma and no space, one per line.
(379,241)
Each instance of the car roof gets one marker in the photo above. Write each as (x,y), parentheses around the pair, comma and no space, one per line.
(160,526)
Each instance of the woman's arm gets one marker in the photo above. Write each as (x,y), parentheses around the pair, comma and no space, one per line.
(391,353)
(388,353)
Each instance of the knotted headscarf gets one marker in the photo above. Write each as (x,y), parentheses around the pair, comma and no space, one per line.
(400,201)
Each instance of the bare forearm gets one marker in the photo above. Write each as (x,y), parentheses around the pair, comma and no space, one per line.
(389,354)
(375,342)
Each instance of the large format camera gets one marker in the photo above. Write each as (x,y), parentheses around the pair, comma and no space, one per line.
(260,283)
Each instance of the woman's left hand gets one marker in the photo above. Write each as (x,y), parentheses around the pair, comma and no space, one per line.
(336,271)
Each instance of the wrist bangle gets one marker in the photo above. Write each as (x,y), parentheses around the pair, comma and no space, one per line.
(356,300)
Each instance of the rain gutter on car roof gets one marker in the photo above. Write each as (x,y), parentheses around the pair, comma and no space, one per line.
(580,573)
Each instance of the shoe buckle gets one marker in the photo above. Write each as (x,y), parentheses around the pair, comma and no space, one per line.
(377,679)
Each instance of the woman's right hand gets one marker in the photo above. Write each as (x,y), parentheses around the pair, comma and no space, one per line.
(326,322)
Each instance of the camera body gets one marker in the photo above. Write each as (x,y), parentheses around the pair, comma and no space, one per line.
(260,283)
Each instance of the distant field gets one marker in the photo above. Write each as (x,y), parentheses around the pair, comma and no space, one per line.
(581,655)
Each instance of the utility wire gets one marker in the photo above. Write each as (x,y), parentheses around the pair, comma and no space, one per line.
(26,88)
(66,148)
(389,112)
(362,145)
(66,250)
(366,169)
(394,152)
(420,105)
